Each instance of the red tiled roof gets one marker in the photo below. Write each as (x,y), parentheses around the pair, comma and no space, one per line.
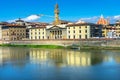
(12,25)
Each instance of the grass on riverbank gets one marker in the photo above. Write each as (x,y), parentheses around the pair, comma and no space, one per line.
(62,47)
(34,46)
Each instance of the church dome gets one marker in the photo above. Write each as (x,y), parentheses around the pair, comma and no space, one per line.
(102,21)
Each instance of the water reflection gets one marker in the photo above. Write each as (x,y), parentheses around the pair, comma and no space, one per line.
(58,64)
(60,57)
(56,57)
(14,56)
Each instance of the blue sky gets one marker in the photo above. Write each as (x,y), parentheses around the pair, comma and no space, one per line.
(71,10)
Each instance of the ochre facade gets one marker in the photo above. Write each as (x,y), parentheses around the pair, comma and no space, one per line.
(13,32)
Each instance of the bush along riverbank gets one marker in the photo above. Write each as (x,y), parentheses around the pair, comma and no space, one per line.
(64,47)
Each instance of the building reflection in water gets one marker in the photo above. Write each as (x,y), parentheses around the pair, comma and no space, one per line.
(57,57)
(38,56)
(4,55)
(15,56)
(60,57)
(78,58)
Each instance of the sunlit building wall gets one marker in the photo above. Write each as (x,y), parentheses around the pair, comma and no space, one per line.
(83,31)
(78,31)
(117,30)
(37,33)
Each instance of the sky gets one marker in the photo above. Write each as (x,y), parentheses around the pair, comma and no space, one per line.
(70,10)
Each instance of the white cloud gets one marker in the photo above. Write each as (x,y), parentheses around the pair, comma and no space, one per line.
(117,17)
(29,18)
(94,19)
(90,19)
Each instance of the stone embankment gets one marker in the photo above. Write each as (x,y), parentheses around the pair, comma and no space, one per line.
(86,42)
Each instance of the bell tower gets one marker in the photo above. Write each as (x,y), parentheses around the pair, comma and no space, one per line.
(56,12)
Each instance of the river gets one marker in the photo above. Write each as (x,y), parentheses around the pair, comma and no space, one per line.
(58,64)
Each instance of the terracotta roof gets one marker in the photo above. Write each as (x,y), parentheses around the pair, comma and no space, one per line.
(13,25)
(38,24)
(38,27)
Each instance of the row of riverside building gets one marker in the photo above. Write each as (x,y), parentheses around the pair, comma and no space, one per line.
(59,29)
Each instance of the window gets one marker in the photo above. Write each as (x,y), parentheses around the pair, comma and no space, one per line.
(103,35)
(85,31)
(74,31)
(73,27)
(39,37)
(79,31)
(69,37)
(85,36)
(68,31)
(60,32)
(43,37)
(79,36)
(74,36)
(35,37)
(43,32)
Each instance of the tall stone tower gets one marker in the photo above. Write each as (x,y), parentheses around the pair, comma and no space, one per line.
(56,12)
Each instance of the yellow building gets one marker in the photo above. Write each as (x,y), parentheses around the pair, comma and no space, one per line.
(105,30)
(78,31)
(13,32)
(117,29)
(37,33)
(83,31)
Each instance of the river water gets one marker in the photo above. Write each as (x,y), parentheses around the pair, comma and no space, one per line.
(58,64)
